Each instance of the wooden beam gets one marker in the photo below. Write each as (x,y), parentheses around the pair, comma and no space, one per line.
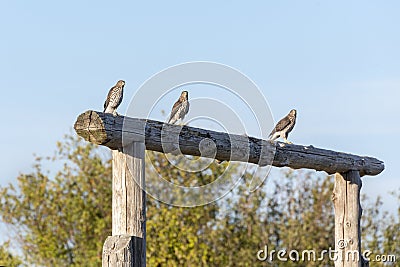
(105,129)
(127,245)
(346,199)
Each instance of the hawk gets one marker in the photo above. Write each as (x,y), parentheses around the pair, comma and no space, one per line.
(284,127)
(114,98)
(180,108)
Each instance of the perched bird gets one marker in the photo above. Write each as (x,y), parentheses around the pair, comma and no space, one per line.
(284,127)
(114,98)
(180,108)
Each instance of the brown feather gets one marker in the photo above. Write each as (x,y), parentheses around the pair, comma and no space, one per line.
(119,85)
(183,99)
(284,122)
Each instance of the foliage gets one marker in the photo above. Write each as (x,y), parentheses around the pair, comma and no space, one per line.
(6,258)
(380,232)
(280,219)
(230,232)
(63,219)
(178,236)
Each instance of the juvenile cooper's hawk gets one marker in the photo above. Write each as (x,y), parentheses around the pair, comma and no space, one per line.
(180,108)
(114,98)
(284,127)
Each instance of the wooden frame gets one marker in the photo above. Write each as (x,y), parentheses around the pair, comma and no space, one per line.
(129,137)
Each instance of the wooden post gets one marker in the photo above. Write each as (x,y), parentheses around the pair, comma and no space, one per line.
(127,245)
(346,199)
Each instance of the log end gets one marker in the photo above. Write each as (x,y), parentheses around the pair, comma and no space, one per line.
(373,167)
(89,125)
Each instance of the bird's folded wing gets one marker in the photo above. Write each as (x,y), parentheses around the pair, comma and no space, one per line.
(282,124)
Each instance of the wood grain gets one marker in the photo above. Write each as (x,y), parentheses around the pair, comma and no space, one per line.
(346,200)
(128,208)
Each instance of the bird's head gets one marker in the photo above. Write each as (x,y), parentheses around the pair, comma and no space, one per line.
(120,83)
(185,95)
(293,113)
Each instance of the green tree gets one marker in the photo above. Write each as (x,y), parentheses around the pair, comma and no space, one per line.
(179,236)
(296,206)
(380,232)
(62,220)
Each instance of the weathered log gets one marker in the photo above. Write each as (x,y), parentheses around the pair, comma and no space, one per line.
(113,132)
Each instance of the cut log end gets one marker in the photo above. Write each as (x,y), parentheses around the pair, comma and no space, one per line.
(90,126)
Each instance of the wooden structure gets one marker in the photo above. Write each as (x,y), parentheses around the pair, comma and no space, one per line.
(126,246)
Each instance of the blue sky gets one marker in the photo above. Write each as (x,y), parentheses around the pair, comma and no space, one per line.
(336,62)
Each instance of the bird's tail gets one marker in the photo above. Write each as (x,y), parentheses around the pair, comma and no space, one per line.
(171,121)
(271,134)
(108,110)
